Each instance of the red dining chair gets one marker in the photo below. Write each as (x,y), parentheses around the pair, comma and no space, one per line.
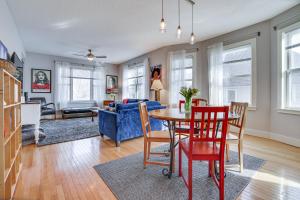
(206,145)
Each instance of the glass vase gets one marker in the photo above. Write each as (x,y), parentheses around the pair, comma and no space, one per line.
(188,105)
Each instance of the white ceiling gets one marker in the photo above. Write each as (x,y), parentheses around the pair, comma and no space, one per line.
(124,29)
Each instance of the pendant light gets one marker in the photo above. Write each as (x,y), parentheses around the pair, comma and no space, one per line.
(192,39)
(162,21)
(179,31)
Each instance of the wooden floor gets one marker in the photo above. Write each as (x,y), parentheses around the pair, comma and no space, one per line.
(65,171)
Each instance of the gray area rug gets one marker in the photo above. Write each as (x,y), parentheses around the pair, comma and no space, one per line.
(128,180)
(58,131)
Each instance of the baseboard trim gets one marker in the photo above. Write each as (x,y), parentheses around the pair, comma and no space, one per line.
(273,136)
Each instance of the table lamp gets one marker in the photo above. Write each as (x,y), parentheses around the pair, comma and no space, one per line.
(157,86)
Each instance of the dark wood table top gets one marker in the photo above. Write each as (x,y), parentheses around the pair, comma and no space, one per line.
(174,114)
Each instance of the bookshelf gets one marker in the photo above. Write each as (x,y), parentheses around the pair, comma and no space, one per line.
(10,133)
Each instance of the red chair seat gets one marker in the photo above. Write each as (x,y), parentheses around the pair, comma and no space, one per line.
(201,149)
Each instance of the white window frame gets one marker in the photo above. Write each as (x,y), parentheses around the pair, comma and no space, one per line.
(91,85)
(282,73)
(138,65)
(252,42)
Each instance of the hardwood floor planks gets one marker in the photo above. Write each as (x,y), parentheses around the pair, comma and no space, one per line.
(65,171)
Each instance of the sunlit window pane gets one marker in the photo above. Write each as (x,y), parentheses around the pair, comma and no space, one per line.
(294,89)
(81,89)
(294,57)
(136,81)
(291,69)
(237,75)
(82,73)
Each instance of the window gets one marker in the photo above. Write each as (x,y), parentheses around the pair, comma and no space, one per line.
(81,85)
(75,82)
(290,67)
(239,66)
(183,75)
(135,81)
(181,72)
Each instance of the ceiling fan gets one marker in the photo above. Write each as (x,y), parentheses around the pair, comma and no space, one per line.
(90,56)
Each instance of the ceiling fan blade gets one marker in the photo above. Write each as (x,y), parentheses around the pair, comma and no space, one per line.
(79,55)
(101,56)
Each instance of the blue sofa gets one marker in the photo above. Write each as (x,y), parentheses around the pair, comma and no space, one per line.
(125,122)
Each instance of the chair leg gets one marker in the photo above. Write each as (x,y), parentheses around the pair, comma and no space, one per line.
(190,178)
(209,167)
(173,168)
(221,181)
(179,161)
(241,157)
(145,153)
(148,150)
(227,152)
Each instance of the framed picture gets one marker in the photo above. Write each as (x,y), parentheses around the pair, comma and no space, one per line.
(155,72)
(40,81)
(111,84)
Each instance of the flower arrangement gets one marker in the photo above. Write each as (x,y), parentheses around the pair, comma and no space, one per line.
(188,93)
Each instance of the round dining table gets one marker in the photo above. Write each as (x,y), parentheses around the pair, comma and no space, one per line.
(173,115)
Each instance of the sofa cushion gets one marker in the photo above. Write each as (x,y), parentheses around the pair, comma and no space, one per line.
(129,106)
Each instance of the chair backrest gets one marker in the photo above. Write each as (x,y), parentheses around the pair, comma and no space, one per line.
(195,102)
(240,109)
(200,102)
(42,100)
(217,117)
(144,118)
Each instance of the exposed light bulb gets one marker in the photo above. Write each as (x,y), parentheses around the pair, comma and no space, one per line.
(179,31)
(192,40)
(90,58)
(162,25)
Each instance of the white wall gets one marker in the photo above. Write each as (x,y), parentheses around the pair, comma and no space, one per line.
(42,61)
(265,121)
(8,32)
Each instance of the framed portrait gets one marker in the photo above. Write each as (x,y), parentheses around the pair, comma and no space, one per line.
(155,72)
(40,81)
(111,84)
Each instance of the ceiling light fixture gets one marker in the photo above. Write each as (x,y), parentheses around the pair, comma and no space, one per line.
(90,58)
(192,39)
(179,31)
(162,21)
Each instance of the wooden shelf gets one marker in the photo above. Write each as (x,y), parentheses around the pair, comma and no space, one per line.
(7,172)
(10,136)
(10,133)
(12,105)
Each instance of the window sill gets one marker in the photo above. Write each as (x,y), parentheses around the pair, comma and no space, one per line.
(288,111)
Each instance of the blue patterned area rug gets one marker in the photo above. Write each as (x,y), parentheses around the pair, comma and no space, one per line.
(58,131)
(128,179)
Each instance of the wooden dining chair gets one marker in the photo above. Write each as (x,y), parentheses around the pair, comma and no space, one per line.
(200,102)
(235,134)
(205,146)
(152,136)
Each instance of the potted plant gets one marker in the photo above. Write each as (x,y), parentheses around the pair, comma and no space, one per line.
(188,93)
